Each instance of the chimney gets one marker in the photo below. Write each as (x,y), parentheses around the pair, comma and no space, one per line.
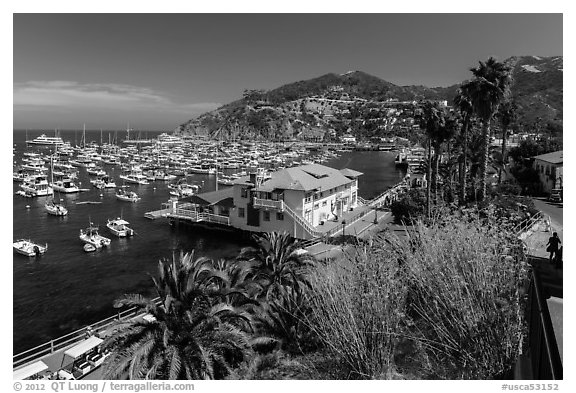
(253,178)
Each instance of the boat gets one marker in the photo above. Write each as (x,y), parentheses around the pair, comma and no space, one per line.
(182,190)
(90,236)
(29,248)
(135,176)
(160,175)
(96,171)
(36,185)
(103,182)
(127,196)
(65,185)
(44,140)
(89,247)
(119,227)
(55,209)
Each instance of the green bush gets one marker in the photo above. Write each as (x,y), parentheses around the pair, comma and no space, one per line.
(411,206)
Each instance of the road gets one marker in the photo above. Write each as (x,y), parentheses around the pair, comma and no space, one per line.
(554,210)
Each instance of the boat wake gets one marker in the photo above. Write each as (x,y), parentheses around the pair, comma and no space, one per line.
(88,203)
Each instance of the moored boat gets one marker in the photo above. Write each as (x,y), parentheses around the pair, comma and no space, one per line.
(55,209)
(91,236)
(127,196)
(29,248)
(119,227)
(46,140)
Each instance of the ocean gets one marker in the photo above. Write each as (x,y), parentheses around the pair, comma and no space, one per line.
(67,288)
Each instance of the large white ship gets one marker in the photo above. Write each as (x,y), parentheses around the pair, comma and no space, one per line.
(46,140)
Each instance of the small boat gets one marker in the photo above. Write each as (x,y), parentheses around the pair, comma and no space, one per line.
(89,247)
(55,209)
(29,248)
(127,196)
(91,236)
(119,227)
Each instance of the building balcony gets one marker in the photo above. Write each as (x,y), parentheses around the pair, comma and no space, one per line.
(269,204)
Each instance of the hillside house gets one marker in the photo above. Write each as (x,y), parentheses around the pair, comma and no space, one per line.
(550,170)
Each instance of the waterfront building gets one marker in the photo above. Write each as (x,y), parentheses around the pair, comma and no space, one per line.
(550,170)
(306,201)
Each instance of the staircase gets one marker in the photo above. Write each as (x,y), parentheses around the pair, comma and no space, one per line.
(303,223)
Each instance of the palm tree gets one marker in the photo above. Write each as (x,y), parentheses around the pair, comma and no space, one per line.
(279,262)
(488,88)
(281,269)
(432,121)
(464,105)
(507,114)
(442,135)
(190,335)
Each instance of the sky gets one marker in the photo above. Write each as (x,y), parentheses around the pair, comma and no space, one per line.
(156,71)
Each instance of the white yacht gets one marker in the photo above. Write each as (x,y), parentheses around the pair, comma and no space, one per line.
(46,140)
(65,185)
(125,196)
(91,236)
(55,209)
(135,176)
(29,248)
(36,185)
(119,227)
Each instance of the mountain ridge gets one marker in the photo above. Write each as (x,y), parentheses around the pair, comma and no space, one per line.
(330,101)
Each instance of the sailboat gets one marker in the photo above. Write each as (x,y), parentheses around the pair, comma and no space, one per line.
(53,208)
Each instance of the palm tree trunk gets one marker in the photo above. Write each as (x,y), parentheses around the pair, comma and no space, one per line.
(504,136)
(484,158)
(464,162)
(428,177)
(436,171)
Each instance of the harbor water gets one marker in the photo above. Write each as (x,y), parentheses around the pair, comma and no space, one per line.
(67,288)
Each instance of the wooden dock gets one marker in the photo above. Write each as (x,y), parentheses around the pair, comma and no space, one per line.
(152,215)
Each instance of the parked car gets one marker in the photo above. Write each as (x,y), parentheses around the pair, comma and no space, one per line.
(555,195)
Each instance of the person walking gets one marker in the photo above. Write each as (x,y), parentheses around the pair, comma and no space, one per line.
(553,245)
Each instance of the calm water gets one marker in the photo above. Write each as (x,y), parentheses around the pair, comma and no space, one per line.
(66,288)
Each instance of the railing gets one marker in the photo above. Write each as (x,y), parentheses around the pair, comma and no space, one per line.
(278,205)
(70,339)
(528,223)
(196,216)
(305,224)
(544,356)
(209,217)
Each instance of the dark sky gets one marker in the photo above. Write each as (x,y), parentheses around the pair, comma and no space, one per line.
(159,70)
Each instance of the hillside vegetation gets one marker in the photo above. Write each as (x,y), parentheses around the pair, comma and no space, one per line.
(366,106)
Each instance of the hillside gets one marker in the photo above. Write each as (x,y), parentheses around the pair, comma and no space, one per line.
(537,88)
(365,105)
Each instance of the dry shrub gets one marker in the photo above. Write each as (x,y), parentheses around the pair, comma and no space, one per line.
(466,298)
(357,307)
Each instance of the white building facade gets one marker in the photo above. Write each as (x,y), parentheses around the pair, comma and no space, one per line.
(297,200)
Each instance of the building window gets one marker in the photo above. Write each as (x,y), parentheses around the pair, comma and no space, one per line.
(241,212)
(324,203)
(280,216)
(266,215)
(308,198)
(354,197)
(244,193)
(315,206)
